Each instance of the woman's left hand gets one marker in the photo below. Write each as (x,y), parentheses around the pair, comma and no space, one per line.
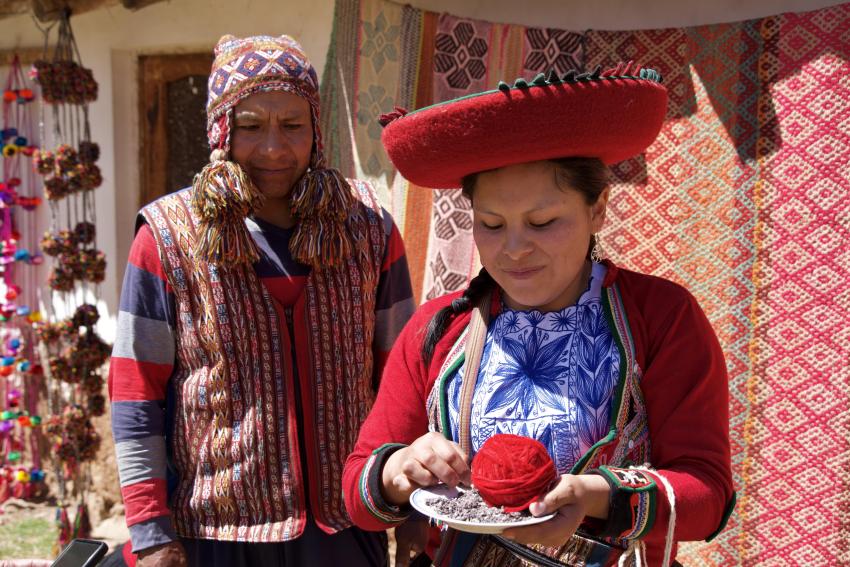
(572,499)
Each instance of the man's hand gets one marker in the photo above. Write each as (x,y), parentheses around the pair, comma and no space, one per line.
(411,536)
(169,555)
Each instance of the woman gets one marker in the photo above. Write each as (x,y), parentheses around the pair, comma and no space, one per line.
(618,374)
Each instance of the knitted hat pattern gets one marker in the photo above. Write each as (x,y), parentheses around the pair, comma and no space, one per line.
(223,194)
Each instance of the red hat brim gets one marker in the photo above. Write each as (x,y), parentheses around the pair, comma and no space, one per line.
(610,118)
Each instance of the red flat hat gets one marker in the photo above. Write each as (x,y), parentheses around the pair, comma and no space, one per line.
(611,115)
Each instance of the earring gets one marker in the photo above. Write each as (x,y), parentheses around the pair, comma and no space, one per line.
(596,253)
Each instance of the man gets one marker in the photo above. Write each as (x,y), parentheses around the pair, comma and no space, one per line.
(257,310)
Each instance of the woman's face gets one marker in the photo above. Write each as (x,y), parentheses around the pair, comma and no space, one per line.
(273,140)
(533,234)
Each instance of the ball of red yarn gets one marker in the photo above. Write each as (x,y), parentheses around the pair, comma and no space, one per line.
(512,471)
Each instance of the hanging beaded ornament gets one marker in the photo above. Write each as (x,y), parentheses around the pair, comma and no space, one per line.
(64,82)
(72,352)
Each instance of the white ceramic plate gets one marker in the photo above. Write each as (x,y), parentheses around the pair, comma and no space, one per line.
(419,500)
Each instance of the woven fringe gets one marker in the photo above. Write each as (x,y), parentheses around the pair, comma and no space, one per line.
(671,521)
(634,556)
(222,196)
(321,203)
(63,525)
(82,524)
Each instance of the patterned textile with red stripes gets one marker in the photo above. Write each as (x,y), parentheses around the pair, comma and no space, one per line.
(235,472)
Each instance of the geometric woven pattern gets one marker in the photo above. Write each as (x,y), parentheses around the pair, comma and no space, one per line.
(743,198)
(797,439)
(552,49)
(461,65)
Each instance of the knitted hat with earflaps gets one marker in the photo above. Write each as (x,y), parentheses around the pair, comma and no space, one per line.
(611,115)
(223,194)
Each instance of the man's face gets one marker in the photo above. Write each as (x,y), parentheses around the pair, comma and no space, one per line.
(273,140)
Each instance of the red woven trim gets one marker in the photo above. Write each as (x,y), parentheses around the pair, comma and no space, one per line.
(340,316)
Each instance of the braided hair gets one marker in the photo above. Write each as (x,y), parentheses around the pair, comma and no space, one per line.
(478,288)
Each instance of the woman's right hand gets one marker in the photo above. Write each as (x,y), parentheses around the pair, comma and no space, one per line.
(430,459)
(169,555)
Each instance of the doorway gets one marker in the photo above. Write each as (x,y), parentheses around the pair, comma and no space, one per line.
(172,121)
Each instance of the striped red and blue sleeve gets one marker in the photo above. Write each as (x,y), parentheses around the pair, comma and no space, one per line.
(394,302)
(141,366)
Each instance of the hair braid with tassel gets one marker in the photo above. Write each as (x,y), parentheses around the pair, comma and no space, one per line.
(480,285)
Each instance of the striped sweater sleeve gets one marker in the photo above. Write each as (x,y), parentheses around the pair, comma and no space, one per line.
(394,302)
(141,365)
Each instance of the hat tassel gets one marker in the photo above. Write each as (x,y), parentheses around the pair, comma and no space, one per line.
(222,196)
(322,201)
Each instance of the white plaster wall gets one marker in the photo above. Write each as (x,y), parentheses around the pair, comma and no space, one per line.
(111,39)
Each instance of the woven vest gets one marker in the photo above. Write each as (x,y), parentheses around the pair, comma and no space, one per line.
(234,438)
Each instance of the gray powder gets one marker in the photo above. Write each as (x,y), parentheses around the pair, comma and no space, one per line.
(470,507)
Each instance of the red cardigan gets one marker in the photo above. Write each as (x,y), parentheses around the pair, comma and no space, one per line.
(685,390)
